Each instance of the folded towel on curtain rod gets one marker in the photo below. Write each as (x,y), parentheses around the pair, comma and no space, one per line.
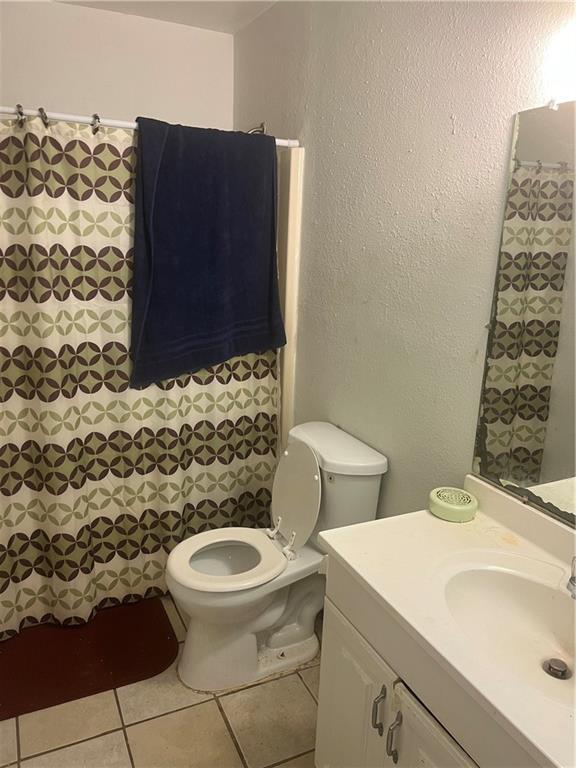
(205,269)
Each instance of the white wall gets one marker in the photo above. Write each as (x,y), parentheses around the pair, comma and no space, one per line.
(80,60)
(406,112)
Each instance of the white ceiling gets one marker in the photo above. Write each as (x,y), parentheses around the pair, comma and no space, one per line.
(218,15)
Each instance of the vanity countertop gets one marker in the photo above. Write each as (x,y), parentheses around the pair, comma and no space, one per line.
(437,578)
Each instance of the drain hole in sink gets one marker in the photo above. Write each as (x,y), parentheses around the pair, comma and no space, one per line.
(557,668)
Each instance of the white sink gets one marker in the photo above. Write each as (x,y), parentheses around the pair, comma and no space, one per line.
(466,615)
(518,613)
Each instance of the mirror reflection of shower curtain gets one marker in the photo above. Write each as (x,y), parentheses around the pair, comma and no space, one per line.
(98,482)
(525,324)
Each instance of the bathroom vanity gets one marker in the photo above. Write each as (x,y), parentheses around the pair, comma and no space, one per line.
(434,638)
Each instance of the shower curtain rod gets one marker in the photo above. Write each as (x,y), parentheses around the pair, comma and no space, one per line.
(95,121)
(545,166)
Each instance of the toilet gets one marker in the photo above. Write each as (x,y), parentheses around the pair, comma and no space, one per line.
(252,595)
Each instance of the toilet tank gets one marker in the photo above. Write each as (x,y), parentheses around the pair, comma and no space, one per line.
(351,472)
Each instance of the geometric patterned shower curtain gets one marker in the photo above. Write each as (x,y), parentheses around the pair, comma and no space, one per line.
(98,481)
(525,324)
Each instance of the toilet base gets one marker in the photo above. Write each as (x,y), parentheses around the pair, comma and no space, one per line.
(271,661)
(279,635)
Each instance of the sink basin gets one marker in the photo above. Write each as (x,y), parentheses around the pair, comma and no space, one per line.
(467,615)
(518,614)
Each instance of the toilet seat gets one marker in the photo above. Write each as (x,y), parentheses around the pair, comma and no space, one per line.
(271,560)
(296,497)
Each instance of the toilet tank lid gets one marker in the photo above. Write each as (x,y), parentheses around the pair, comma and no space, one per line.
(339,452)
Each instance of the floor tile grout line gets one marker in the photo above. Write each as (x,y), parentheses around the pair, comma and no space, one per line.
(124,732)
(71,744)
(271,679)
(170,711)
(294,673)
(231,732)
(209,697)
(280,676)
(308,687)
(289,759)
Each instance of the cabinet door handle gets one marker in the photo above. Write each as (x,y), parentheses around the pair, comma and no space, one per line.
(390,750)
(376,724)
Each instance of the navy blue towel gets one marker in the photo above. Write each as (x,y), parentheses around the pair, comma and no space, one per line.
(205,269)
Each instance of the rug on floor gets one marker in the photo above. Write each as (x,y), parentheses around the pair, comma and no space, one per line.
(47,665)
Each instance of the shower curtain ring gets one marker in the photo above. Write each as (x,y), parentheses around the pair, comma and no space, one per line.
(20,117)
(95,123)
(258,129)
(44,117)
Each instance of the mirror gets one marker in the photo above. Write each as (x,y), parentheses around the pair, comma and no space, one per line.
(525,440)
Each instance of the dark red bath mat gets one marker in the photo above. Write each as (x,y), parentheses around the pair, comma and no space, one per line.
(47,664)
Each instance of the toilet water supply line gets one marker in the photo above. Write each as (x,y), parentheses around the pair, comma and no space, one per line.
(95,121)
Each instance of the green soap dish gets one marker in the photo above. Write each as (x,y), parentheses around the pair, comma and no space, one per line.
(453,504)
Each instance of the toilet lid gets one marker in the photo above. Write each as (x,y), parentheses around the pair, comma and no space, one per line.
(296,492)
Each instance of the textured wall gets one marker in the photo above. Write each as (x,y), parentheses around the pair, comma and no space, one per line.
(405,110)
(80,60)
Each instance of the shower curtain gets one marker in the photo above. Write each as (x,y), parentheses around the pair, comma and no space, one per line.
(525,324)
(100,481)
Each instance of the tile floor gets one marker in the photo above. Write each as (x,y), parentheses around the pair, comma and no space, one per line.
(159,723)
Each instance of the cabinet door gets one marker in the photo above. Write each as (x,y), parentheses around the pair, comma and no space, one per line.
(415,739)
(355,691)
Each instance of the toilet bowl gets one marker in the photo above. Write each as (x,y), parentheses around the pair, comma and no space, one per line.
(252,595)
